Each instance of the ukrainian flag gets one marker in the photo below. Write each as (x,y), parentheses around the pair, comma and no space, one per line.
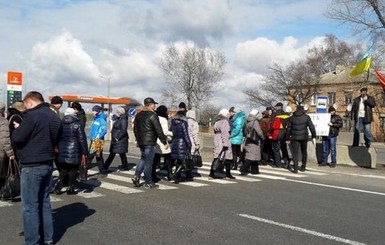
(361,67)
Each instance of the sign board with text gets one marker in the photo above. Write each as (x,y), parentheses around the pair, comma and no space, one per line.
(14,87)
(320,121)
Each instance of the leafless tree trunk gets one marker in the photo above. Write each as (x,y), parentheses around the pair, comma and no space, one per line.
(192,73)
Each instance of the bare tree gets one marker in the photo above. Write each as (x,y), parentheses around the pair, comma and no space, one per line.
(365,16)
(300,80)
(192,73)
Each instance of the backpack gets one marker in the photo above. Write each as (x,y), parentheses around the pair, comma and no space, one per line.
(250,133)
(278,126)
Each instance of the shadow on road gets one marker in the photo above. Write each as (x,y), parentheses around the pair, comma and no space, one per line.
(69,215)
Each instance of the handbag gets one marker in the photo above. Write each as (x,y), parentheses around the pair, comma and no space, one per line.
(218,162)
(197,159)
(11,187)
(188,161)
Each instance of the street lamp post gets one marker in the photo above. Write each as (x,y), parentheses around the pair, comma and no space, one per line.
(108,78)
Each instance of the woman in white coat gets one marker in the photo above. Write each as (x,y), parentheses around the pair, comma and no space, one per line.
(160,149)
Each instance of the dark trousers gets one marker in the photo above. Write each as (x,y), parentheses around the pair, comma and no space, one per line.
(111,157)
(167,164)
(237,154)
(279,146)
(250,166)
(299,146)
(267,150)
(70,171)
(179,165)
(99,161)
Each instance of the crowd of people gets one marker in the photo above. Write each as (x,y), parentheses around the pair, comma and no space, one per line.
(35,136)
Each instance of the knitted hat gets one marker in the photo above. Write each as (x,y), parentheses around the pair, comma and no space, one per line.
(97,108)
(162,111)
(120,110)
(254,112)
(224,112)
(69,111)
(56,100)
(182,105)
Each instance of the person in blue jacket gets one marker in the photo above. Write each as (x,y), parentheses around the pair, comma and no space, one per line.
(96,135)
(236,135)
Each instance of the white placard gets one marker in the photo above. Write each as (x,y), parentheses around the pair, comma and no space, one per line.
(320,121)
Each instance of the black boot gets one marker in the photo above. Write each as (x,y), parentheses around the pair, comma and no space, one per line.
(254,167)
(228,173)
(71,190)
(189,176)
(57,188)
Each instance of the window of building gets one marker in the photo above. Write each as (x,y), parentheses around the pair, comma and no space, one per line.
(348,97)
(382,122)
(331,98)
(314,99)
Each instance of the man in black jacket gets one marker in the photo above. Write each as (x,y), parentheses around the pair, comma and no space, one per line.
(147,130)
(35,139)
(362,115)
(298,132)
(329,142)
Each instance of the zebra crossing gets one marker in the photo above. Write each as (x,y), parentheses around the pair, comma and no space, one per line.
(120,182)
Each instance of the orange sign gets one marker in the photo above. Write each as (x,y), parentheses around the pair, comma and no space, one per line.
(15,78)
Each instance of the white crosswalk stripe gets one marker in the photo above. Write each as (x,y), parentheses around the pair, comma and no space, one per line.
(123,184)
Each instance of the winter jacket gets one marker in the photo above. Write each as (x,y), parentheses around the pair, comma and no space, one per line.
(237,124)
(147,128)
(119,135)
(73,141)
(369,104)
(181,143)
(265,124)
(160,147)
(98,127)
(336,125)
(193,130)
(37,135)
(14,115)
(253,148)
(222,137)
(81,115)
(299,124)
(5,141)
(284,118)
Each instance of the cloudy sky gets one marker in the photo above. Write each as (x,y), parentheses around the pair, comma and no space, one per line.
(63,46)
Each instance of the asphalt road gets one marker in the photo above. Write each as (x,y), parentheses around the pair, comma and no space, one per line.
(321,206)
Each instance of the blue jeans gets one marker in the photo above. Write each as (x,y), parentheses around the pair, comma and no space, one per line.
(35,185)
(329,144)
(145,163)
(367,132)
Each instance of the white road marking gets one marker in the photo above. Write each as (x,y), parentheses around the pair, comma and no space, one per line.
(296,228)
(336,187)
(114,187)
(92,194)
(218,181)
(55,199)
(243,178)
(5,204)
(193,184)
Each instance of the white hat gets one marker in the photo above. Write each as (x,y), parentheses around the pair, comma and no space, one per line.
(120,110)
(224,112)
(254,112)
(70,111)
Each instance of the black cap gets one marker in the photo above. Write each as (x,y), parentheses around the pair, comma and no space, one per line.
(331,108)
(279,104)
(56,100)
(232,109)
(149,100)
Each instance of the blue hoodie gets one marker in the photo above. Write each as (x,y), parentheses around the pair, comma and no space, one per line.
(237,124)
(98,127)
